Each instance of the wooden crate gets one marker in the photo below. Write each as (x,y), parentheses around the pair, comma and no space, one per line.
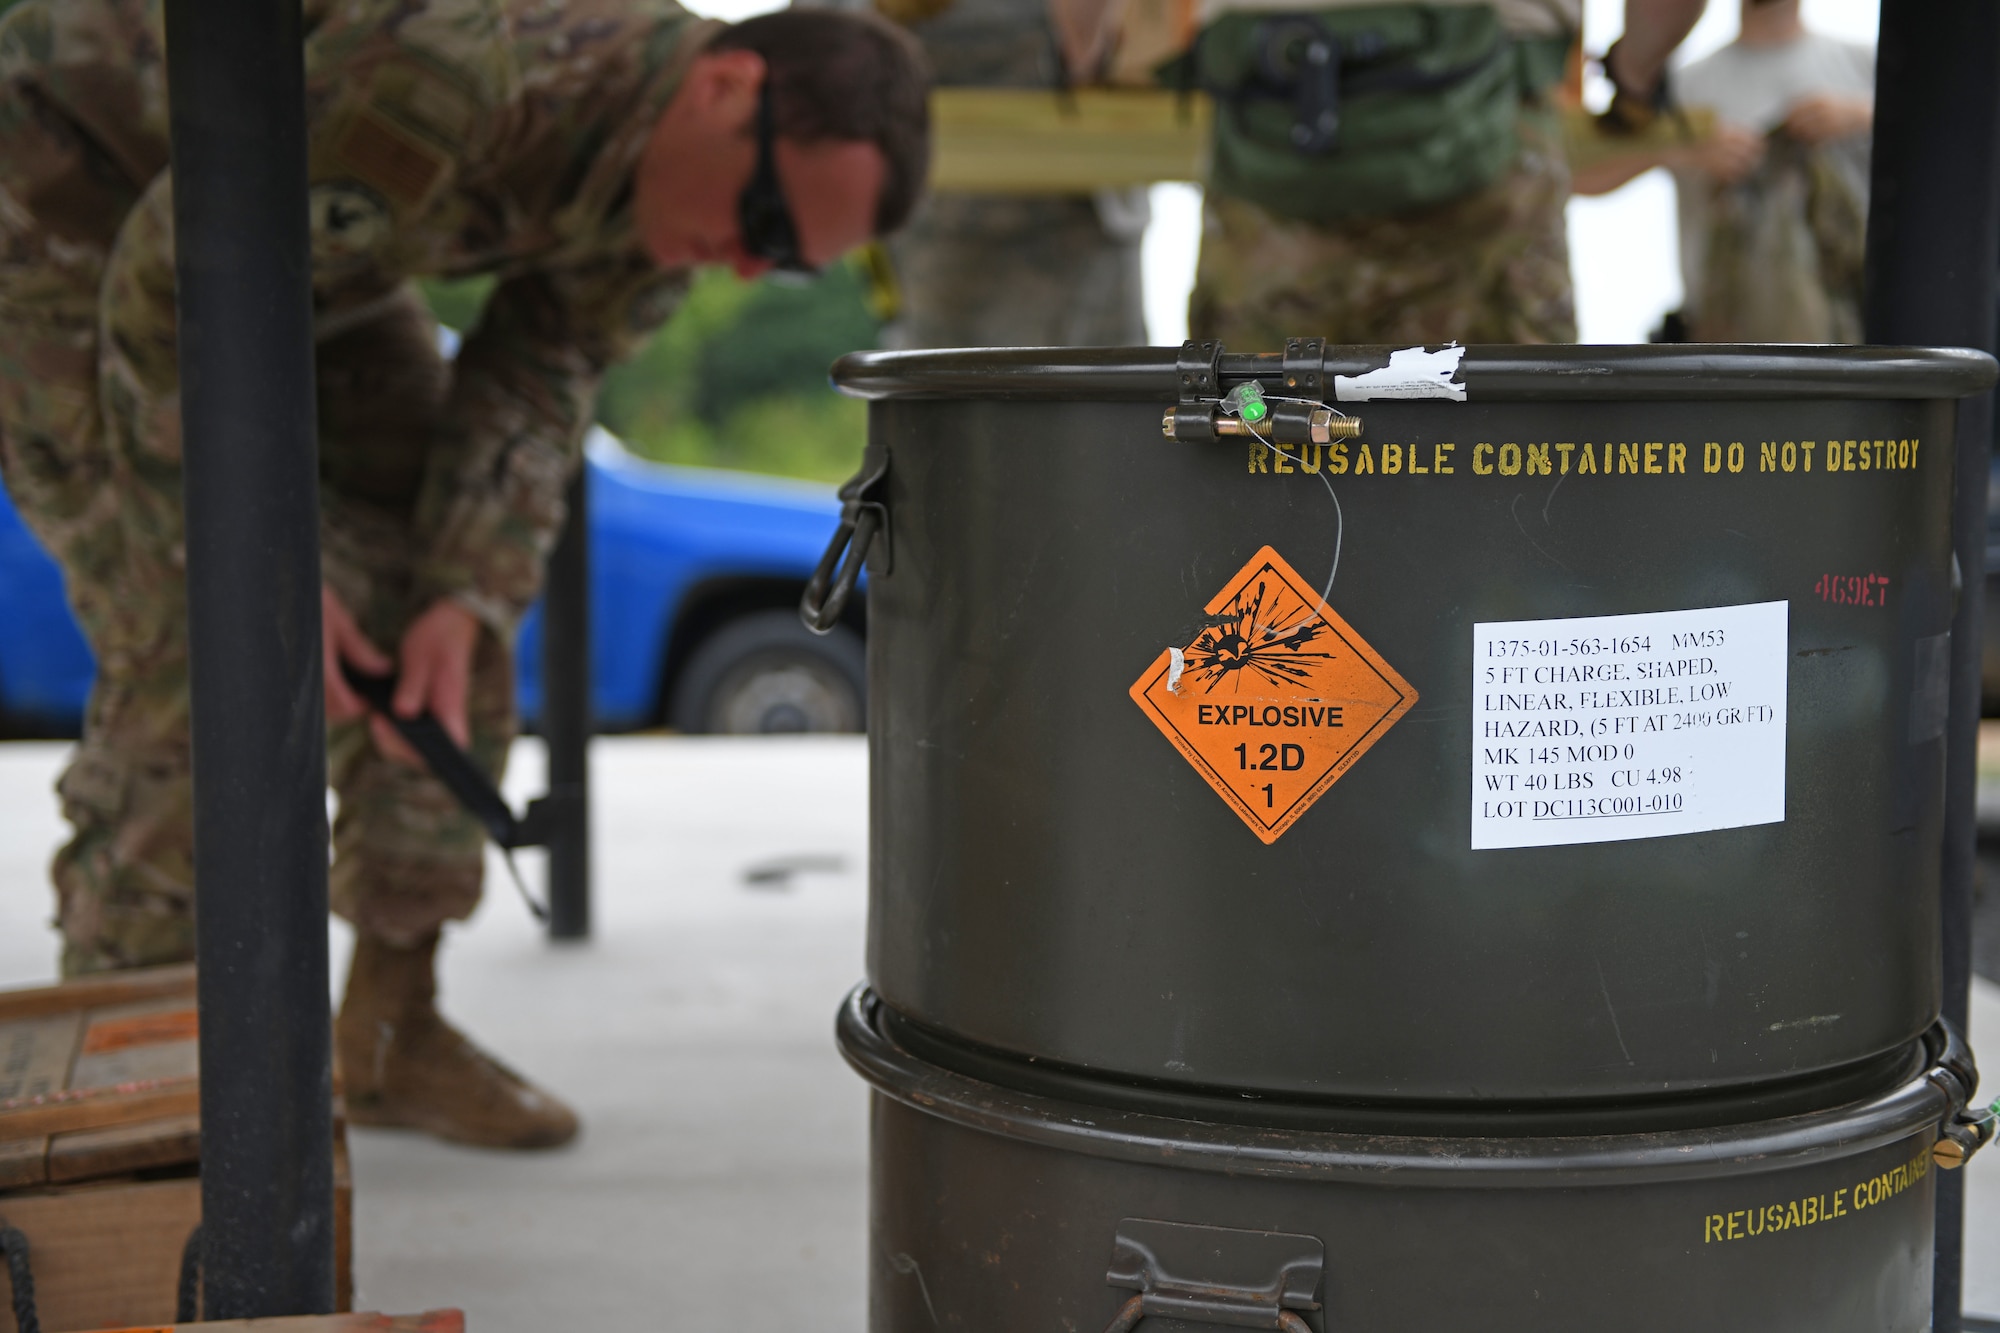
(431,1321)
(109,1053)
(100,1146)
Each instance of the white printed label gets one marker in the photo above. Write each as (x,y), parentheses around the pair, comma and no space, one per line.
(1411,373)
(1605,728)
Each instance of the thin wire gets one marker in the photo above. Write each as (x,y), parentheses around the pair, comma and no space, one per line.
(1339,531)
(1310,402)
(1339,517)
(1232,410)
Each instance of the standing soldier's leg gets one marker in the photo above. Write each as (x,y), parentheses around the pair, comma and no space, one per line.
(407,858)
(82,131)
(1491,266)
(982,270)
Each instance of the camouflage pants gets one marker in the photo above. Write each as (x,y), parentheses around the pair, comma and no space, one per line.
(1489,267)
(980,270)
(90,452)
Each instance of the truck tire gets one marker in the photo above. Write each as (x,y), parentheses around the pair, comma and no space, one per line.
(765,673)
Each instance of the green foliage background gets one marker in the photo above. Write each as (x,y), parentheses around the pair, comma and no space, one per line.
(737,378)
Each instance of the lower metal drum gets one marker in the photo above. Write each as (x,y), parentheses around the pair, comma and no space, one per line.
(1562,724)
(996,1210)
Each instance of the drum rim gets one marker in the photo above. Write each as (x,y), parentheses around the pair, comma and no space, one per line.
(1490,373)
(1913,1105)
(1585,1111)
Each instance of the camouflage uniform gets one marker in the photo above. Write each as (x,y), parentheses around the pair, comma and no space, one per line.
(448,137)
(1489,266)
(999,270)
(1780,250)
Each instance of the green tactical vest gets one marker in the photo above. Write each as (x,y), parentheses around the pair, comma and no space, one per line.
(1345,112)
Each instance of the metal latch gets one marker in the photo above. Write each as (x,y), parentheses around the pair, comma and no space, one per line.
(1215,1275)
(864,516)
(1307,425)
(1305,368)
(1298,416)
(1199,370)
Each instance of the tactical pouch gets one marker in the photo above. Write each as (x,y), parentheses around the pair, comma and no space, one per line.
(1338,113)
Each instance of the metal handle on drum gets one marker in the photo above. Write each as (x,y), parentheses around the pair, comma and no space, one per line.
(826,595)
(863,518)
(1963,1133)
(1134,1310)
(1216,1275)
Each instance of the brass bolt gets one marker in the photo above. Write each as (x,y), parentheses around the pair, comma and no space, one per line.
(1324,425)
(1949,1154)
(1328,427)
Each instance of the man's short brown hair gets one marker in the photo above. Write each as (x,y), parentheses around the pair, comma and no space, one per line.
(843,75)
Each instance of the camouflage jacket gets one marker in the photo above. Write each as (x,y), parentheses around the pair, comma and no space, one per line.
(461,137)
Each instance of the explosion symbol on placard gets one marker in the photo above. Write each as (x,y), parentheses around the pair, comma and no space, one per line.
(1253,636)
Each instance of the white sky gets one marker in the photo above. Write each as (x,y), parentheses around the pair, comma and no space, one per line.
(1622,246)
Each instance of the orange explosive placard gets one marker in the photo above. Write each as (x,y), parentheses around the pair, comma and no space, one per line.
(1275,698)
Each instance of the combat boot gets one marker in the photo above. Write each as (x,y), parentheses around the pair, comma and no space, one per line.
(404,1066)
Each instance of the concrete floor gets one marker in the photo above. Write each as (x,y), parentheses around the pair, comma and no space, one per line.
(720,1182)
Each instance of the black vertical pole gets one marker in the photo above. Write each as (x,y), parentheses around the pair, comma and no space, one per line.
(566,716)
(1933,244)
(252,504)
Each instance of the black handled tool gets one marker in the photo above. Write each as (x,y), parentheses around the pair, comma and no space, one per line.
(463,778)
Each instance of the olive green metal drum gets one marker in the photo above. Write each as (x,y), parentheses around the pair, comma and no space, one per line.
(1406,840)
(997,1210)
(1483,726)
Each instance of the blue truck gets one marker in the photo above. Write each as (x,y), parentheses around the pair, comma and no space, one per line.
(695,579)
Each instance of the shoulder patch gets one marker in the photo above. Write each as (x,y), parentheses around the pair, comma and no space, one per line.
(401,164)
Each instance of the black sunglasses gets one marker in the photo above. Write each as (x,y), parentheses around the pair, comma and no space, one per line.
(761,211)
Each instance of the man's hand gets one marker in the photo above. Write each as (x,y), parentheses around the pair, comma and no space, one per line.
(1824,117)
(1727,156)
(434,670)
(1653,28)
(341,639)
(434,674)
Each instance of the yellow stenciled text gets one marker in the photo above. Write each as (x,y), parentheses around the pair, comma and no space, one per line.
(1772,1218)
(1634,458)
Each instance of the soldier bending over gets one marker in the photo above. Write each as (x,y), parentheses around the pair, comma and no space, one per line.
(588,153)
